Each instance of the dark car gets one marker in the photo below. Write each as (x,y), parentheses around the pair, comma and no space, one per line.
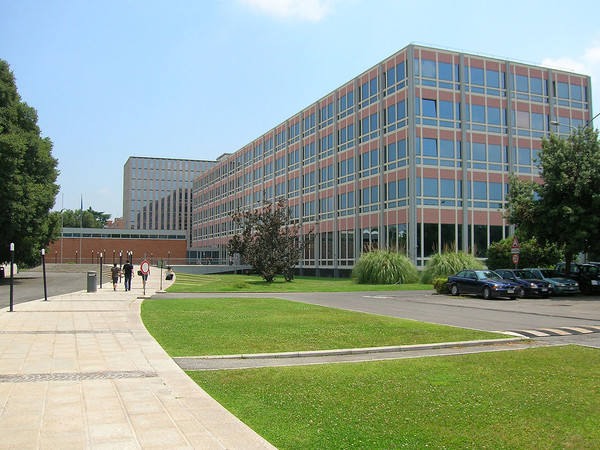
(560,285)
(587,275)
(530,285)
(486,283)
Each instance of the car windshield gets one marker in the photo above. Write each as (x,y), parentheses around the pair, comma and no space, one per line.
(548,273)
(481,274)
(524,274)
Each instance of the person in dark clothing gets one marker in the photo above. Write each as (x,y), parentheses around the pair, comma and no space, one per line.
(128,271)
(115,272)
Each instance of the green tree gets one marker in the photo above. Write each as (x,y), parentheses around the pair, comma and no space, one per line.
(565,208)
(268,241)
(27,177)
(532,254)
(86,219)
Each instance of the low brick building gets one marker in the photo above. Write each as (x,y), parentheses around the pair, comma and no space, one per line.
(84,245)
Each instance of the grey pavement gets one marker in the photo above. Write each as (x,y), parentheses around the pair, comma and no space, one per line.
(29,286)
(81,371)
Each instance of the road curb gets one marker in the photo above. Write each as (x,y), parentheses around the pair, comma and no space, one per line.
(359,351)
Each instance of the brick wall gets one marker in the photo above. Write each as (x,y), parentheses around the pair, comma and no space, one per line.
(151,249)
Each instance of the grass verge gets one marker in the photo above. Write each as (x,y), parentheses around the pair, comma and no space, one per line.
(185,282)
(538,398)
(195,327)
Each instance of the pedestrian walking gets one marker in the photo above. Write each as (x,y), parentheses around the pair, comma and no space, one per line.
(144,276)
(115,272)
(128,271)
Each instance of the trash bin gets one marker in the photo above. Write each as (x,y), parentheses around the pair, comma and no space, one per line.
(92,284)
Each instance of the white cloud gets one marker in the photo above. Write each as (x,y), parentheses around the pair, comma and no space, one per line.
(587,63)
(310,10)
(565,63)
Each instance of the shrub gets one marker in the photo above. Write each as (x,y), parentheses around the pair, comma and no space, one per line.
(448,263)
(532,254)
(441,286)
(384,267)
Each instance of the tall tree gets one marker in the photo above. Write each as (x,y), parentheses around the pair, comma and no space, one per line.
(27,177)
(86,219)
(268,241)
(565,208)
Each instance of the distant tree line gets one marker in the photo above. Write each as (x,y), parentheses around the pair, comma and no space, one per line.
(88,218)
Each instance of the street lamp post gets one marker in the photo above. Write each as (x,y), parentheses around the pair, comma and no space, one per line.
(558,124)
(12,275)
(44,271)
(100,270)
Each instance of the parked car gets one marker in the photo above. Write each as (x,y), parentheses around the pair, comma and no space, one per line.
(587,275)
(530,285)
(486,283)
(560,285)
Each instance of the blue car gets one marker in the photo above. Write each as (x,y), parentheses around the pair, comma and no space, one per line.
(530,285)
(486,283)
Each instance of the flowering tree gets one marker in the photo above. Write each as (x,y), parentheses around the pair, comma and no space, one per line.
(268,241)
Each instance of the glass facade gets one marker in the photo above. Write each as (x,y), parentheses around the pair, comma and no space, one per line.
(157,192)
(412,155)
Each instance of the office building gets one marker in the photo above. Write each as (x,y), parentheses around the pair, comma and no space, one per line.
(157,192)
(413,155)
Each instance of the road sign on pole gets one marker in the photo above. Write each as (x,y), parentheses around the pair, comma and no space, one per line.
(515,258)
(515,247)
(145,267)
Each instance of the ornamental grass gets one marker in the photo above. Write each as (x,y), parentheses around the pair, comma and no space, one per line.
(384,267)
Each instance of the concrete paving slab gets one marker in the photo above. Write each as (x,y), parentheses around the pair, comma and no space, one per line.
(81,371)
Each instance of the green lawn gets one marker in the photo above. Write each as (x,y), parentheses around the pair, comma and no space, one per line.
(195,327)
(539,398)
(254,283)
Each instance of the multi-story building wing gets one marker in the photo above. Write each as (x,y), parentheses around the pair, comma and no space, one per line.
(157,192)
(414,155)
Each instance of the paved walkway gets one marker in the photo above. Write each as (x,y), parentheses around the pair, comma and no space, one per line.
(81,371)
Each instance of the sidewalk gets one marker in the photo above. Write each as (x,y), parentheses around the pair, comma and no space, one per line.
(81,371)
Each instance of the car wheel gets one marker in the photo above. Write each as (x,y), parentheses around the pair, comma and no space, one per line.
(454,290)
(487,294)
(521,293)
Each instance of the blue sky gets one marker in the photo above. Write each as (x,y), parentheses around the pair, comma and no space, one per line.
(195,79)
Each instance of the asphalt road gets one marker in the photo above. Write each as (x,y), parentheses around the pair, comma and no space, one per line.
(29,286)
(465,312)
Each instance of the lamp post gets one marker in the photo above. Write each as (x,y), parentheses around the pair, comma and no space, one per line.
(75,256)
(100,270)
(120,263)
(558,124)
(114,256)
(44,271)
(12,275)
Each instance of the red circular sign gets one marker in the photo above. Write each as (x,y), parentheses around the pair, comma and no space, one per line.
(145,267)
(515,258)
